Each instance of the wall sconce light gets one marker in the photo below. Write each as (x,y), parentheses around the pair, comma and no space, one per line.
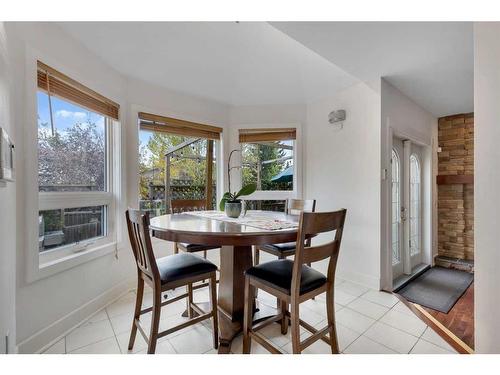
(337,118)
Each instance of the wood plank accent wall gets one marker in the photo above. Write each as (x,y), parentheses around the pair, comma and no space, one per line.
(456,186)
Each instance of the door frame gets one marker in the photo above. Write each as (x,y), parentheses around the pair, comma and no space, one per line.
(399,268)
(428,203)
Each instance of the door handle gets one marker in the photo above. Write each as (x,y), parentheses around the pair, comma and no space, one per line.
(404,215)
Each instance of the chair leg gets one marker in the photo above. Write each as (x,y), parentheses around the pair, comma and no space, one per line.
(284,320)
(278,303)
(256,260)
(213,305)
(204,256)
(247,317)
(330,315)
(155,320)
(256,257)
(137,311)
(176,250)
(294,317)
(189,300)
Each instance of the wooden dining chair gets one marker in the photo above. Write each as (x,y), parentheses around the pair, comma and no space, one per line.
(188,205)
(164,274)
(293,282)
(284,250)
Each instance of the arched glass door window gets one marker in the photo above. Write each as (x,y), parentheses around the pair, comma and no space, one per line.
(396,207)
(415,194)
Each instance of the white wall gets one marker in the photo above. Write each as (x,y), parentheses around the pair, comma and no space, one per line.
(342,170)
(7,207)
(48,307)
(402,117)
(486,184)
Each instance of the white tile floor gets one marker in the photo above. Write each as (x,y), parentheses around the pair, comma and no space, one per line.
(368,322)
(363,326)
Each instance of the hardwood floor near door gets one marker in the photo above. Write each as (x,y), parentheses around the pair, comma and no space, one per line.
(460,319)
(457,326)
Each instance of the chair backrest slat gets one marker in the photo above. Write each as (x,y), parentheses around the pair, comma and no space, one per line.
(317,253)
(310,224)
(140,240)
(296,206)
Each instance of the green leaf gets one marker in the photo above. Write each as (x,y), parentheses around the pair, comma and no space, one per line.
(227,196)
(246,190)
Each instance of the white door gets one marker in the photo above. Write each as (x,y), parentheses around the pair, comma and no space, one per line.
(415,206)
(406,206)
(397,159)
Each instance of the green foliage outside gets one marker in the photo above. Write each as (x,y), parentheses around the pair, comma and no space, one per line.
(151,157)
(253,155)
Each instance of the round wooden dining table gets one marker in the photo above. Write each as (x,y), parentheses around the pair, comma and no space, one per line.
(235,241)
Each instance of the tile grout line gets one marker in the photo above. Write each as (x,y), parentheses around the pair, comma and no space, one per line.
(411,334)
(420,338)
(92,343)
(378,321)
(113,329)
(376,342)
(439,346)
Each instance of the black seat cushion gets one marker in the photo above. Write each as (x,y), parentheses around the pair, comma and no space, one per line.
(184,265)
(193,248)
(278,274)
(280,248)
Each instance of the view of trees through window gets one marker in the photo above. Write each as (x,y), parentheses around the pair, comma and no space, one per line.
(71,158)
(188,169)
(269,165)
(71,148)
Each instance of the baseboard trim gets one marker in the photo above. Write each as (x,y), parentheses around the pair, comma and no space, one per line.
(48,336)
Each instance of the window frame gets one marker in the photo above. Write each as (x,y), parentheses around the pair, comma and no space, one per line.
(53,261)
(395,158)
(297,164)
(217,144)
(418,218)
(62,200)
(220,148)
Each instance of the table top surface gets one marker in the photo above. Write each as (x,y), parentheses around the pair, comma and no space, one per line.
(186,223)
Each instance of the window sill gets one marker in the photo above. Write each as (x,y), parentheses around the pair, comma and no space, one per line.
(271,195)
(53,267)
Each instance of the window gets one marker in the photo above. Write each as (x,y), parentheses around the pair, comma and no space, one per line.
(177,161)
(74,166)
(266,205)
(396,207)
(69,226)
(268,158)
(71,147)
(414,205)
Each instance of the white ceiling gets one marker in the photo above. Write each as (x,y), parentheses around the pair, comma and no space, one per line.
(257,63)
(248,63)
(432,63)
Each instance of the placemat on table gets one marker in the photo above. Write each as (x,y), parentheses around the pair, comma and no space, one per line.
(252,219)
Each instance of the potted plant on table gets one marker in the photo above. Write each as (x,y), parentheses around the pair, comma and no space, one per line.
(231,202)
